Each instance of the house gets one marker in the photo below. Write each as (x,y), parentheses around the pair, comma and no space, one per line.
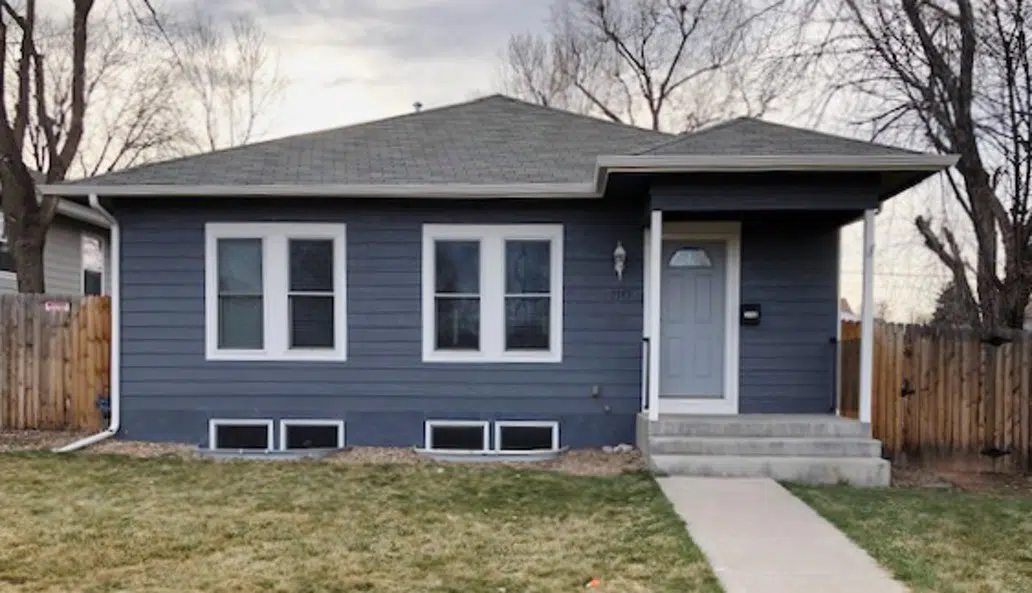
(74,255)
(495,277)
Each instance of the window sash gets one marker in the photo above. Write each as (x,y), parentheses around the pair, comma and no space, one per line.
(275,292)
(493,295)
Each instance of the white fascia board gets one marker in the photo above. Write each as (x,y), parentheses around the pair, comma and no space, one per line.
(759,163)
(605,165)
(452,190)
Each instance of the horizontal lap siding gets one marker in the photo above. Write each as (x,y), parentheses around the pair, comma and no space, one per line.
(383,391)
(787,362)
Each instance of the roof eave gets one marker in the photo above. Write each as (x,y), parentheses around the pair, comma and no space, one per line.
(760,163)
(921,165)
(423,191)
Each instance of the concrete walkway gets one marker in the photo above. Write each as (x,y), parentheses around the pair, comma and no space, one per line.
(760,538)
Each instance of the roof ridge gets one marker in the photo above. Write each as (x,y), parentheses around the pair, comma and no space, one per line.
(835,135)
(769,123)
(574,114)
(685,135)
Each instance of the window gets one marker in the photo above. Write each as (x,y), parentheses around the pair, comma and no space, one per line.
(92,265)
(456,435)
(311,434)
(6,258)
(492,293)
(275,291)
(240,434)
(519,435)
(690,257)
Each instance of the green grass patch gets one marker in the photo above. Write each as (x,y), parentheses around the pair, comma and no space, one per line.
(936,541)
(105,523)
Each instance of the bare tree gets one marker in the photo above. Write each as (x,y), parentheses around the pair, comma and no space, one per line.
(128,108)
(141,89)
(668,64)
(957,74)
(230,79)
(27,218)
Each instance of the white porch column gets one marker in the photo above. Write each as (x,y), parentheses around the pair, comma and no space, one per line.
(867,320)
(655,256)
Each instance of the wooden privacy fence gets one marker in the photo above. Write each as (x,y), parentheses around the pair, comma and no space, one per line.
(945,394)
(54,361)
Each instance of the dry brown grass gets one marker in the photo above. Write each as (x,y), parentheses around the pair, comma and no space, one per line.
(107,522)
(578,462)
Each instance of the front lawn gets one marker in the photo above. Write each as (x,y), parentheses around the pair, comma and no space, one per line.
(936,541)
(111,523)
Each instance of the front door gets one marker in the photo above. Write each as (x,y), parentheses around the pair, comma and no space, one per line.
(692,323)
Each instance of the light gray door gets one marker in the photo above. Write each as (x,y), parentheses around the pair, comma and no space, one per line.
(692,319)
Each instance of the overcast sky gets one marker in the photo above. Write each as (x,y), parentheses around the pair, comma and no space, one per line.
(355,60)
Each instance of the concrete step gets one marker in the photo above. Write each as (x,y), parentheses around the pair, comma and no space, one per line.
(758,425)
(760,446)
(855,471)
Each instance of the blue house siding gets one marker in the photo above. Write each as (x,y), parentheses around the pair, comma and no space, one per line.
(789,268)
(384,392)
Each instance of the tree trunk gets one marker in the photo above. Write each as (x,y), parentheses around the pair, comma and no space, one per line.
(28,260)
(26,223)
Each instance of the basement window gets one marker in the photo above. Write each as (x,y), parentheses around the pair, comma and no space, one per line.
(519,435)
(249,435)
(311,434)
(456,435)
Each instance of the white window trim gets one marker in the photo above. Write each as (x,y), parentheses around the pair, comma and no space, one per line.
(492,240)
(216,422)
(82,263)
(275,283)
(430,424)
(284,424)
(500,424)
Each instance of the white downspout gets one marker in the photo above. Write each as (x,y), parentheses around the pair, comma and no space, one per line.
(116,336)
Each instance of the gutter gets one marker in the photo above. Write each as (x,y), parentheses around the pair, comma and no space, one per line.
(605,165)
(116,335)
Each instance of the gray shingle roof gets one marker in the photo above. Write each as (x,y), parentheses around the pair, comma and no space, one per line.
(749,136)
(491,140)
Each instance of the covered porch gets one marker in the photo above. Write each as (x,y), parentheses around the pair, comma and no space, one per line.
(740,313)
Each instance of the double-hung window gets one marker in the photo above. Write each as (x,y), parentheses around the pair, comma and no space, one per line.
(275,291)
(492,293)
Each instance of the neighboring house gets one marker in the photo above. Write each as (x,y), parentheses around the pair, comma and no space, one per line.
(74,257)
(481,277)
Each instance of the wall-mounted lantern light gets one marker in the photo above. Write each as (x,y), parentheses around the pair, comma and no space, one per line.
(619,260)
